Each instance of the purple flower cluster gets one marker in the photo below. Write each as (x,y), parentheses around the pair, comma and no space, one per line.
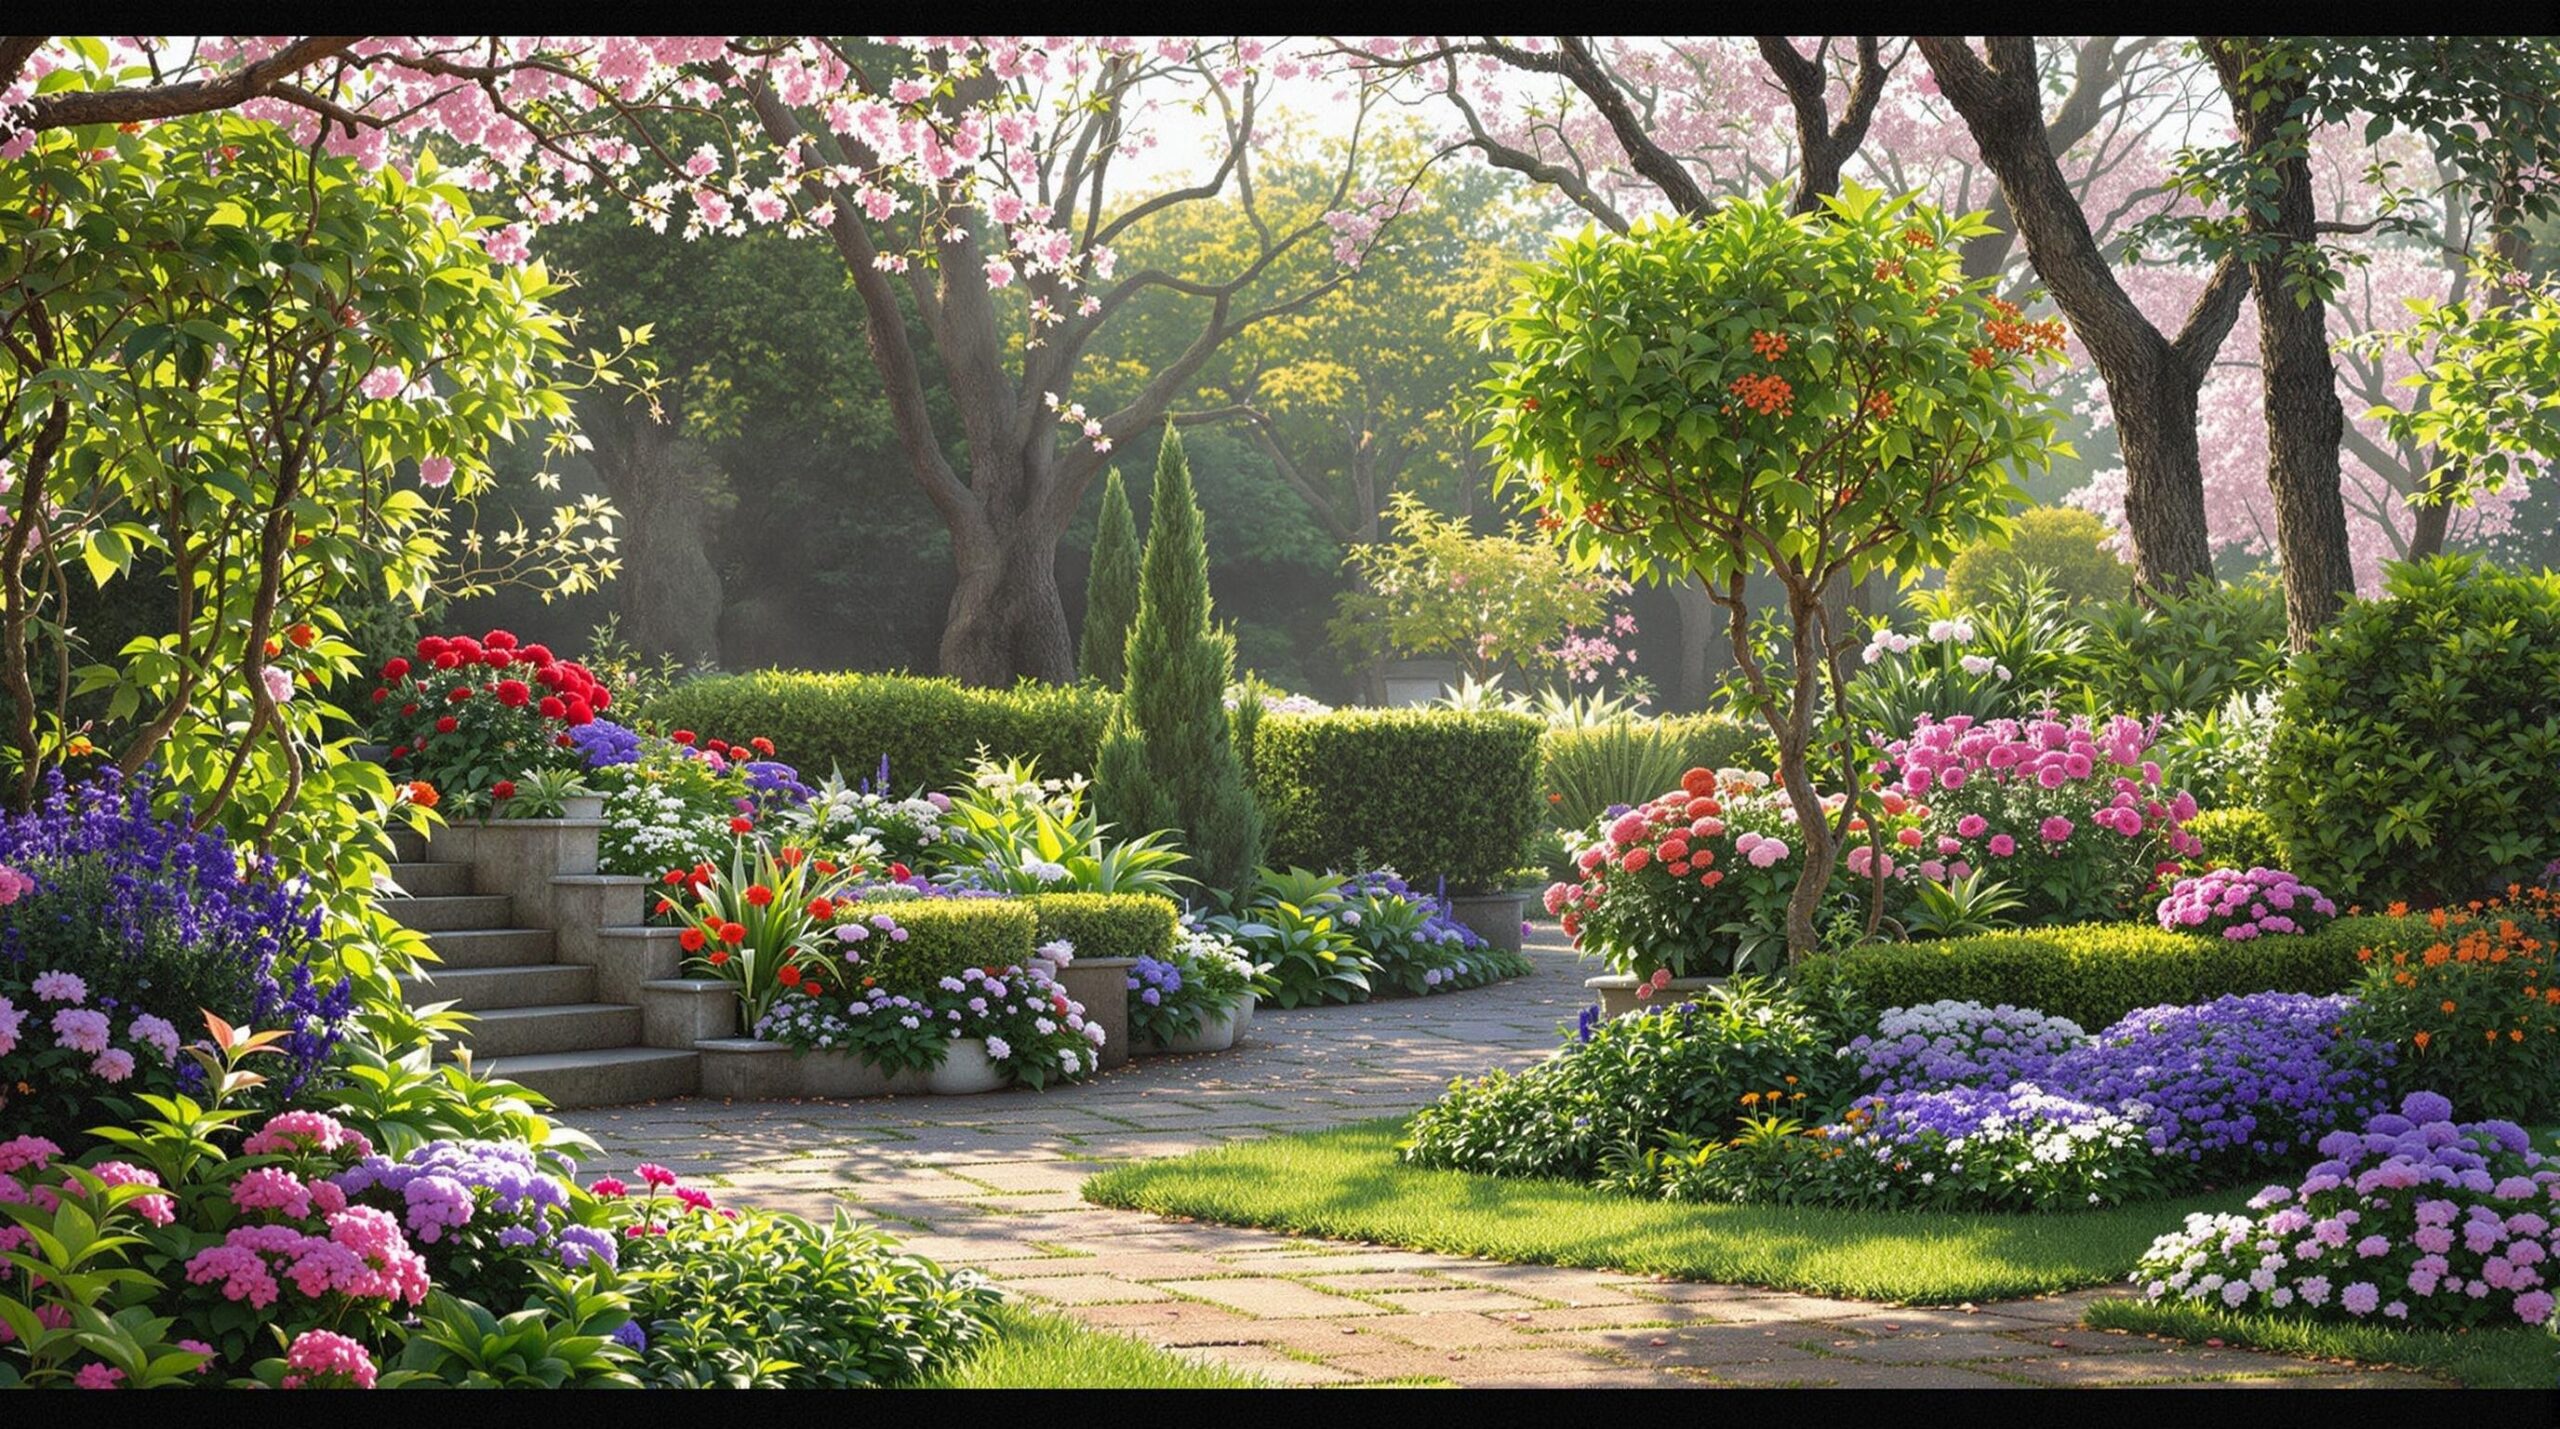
(774,783)
(1942,1045)
(488,1193)
(1154,980)
(2243,904)
(1439,925)
(605,743)
(2237,1081)
(1900,1118)
(2417,1219)
(164,921)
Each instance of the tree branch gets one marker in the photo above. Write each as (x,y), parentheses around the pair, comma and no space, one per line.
(164,101)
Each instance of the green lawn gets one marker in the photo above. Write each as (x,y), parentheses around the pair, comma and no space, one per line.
(2481,1359)
(1347,1184)
(1033,1349)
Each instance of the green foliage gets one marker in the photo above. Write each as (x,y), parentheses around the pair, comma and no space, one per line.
(2220,755)
(2466,1007)
(2183,652)
(1433,793)
(774,1301)
(1034,1349)
(1504,601)
(2091,973)
(2417,751)
(1586,769)
(562,1341)
(1111,593)
(2022,628)
(945,936)
(1960,908)
(1106,925)
(1168,758)
(930,729)
(2236,838)
(1023,834)
(1292,932)
(2069,545)
(1633,1082)
(2477,1359)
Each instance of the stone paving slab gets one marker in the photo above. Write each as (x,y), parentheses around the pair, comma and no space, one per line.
(991,1182)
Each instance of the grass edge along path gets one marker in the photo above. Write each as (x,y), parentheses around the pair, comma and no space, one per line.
(1037,1349)
(2482,1359)
(1345,1183)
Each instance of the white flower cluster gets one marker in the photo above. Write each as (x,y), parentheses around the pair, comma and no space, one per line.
(1958,631)
(649,829)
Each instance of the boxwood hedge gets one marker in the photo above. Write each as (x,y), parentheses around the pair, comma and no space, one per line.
(945,936)
(928,727)
(1432,793)
(1107,925)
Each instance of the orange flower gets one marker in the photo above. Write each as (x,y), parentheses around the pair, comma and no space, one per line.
(2422,1039)
(2448,1006)
(423,794)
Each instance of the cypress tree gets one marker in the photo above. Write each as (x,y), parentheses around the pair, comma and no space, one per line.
(1168,760)
(1111,596)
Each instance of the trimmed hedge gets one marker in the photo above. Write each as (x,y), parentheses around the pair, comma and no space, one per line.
(1107,925)
(929,727)
(1432,793)
(2237,838)
(945,937)
(2094,973)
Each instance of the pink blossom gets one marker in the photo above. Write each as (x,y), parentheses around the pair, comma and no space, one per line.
(61,987)
(435,471)
(278,683)
(81,1029)
(381,382)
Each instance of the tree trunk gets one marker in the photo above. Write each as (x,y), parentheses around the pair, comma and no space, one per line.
(2152,379)
(668,593)
(1700,635)
(1007,618)
(2304,419)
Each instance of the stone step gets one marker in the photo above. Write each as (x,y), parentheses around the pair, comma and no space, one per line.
(540,1031)
(438,913)
(432,880)
(408,846)
(480,989)
(488,947)
(602,1078)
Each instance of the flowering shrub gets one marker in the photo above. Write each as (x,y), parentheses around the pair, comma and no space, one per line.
(1011,830)
(1204,976)
(1940,1046)
(907,831)
(482,1213)
(2241,904)
(467,713)
(1033,1030)
(2417,1220)
(2469,999)
(2233,1083)
(1963,1148)
(755,926)
(117,928)
(2069,814)
(1696,881)
(1417,946)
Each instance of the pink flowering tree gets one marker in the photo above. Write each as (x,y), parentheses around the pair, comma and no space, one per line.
(973,188)
(1813,396)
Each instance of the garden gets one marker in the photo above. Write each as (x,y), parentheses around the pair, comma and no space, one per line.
(2034,897)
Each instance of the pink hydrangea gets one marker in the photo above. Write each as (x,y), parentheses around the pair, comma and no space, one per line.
(11,1019)
(158,1210)
(97,1376)
(272,1188)
(319,1359)
(112,1065)
(60,987)
(291,1133)
(82,1030)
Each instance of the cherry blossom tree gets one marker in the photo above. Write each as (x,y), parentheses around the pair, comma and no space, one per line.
(986,176)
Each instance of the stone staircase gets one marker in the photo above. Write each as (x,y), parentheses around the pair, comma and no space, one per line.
(571,994)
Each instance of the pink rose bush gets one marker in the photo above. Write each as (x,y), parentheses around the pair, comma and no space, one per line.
(2068,813)
(1696,880)
(2417,1221)
(2241,904)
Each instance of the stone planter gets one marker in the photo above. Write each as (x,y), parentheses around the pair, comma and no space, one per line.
(1495,917)
(1102,985)
(744,1069)
(845,1074)
(1216,1034)
(582,806)
(967,1071)
(1617,992)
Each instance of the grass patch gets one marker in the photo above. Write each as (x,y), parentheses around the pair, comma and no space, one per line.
(1034,1349)
(1346,1183)
(2480,1359)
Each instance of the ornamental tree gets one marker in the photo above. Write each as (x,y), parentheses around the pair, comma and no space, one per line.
(1504,602)
(1111,593)
(1817,396)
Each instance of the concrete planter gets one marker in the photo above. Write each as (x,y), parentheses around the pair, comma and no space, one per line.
(1495,917)
(1216,1034)
(1102,985)
(744,1069)
(1617,992)
(582,806)
(967,1071)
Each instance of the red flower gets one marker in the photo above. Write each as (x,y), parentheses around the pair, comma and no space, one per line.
(538,656)
(791,855)
(742,825)
(513,694)
(447,724)
(562,740)
(394,668)
(788,977)
(826,865)
(761,745)
(446,660)
(457,694)
(760,896)
(580,712)
(733,932)
(432,646)
(603,698)
(504,789)
(813,989)
(690,939)
(682,736)
(821,909)
(718,747)
(719,956)
(701,875)
(665,905)
(498,640)
(381,694)
(552,708)
(672,877)
(409,708)
(898,872)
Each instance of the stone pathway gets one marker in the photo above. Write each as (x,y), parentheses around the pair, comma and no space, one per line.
(991,1182)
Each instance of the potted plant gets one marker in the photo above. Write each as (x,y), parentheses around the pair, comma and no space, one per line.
(1200,999)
